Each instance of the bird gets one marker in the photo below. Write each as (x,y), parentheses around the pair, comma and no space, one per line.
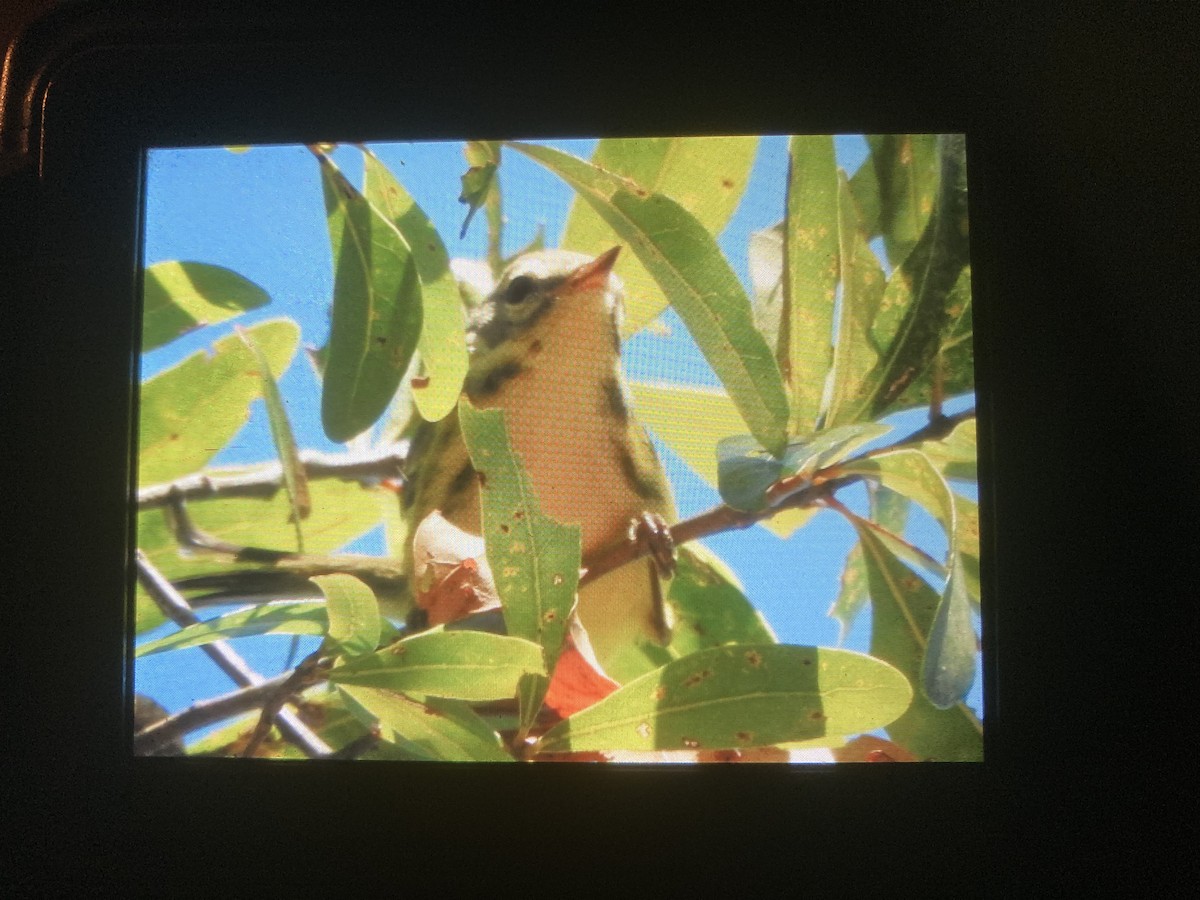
(545,347)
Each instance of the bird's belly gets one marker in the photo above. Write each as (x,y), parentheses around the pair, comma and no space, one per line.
(571,454)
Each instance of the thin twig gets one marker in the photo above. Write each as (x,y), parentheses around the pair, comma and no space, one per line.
(176,608)
(202,713)
(267,479)
(300,677)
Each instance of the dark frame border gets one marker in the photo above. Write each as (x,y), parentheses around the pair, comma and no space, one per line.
(100,91)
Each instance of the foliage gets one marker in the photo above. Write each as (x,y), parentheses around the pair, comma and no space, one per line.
(831,336)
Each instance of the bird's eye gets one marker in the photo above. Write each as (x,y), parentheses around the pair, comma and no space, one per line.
(518,289)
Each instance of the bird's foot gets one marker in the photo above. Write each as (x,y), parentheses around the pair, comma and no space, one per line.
(651,533)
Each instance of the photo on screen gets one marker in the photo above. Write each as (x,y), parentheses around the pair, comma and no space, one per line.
(624,450)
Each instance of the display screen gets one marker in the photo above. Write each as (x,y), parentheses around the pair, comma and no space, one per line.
(625,450)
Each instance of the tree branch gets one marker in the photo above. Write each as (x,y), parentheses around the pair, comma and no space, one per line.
(176,608)
(267,479)
(203,712)
(809,490)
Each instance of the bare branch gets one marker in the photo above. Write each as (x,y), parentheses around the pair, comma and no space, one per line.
(267,479)
(202,713)
(176,608)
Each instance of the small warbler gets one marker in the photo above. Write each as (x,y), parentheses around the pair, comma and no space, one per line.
(546,349)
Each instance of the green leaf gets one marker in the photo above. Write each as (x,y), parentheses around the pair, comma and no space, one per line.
(950,666)
(949,669)
(910,473)
(747,695)
(443,344)
(285,617)
(889,511)
(692,421)
(895,189)
(437,729)
(710,605)
(929,274)
(531,692)
(191,410)
(745,470)
(295,479)
(342,512)
(687,264)
(705,175)
(708,608)
(463,665)
(903,610)
(535,559)
(956,455)
(862,282)
(810,272)
(353,613)
(377,309)
(955,357)
(179,297)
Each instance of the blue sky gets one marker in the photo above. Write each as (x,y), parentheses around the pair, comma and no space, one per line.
(261,213)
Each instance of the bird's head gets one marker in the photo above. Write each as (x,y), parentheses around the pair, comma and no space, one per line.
(548,290)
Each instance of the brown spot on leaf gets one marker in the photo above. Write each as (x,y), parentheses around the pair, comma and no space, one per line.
(660,692)
(754,658)
(399,650)
(727,183)
(504,528)
(173,437)
(535,348)
(696,677)
(816,715)
(519,514)
(421,381)
(550,616)
(746,737)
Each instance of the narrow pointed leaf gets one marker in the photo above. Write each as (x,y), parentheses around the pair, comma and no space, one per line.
(862,284)
(376,309)
(289,617)
(930,273)
(436,729)
(295,480)
(442,345)
(705,175)
(890,511)
(895,189)
(687,264)
(531,692)
(191,410)
(353,613)
(535,560)
(463,665)
(903,611)
(740,696)
(179,297)
(949,669)
(809,273)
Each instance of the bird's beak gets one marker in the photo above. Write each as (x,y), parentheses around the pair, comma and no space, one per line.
(591,275)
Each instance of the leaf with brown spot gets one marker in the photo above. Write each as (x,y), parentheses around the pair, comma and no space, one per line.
(781,699)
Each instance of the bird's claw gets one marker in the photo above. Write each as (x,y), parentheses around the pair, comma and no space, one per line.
(651,532)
